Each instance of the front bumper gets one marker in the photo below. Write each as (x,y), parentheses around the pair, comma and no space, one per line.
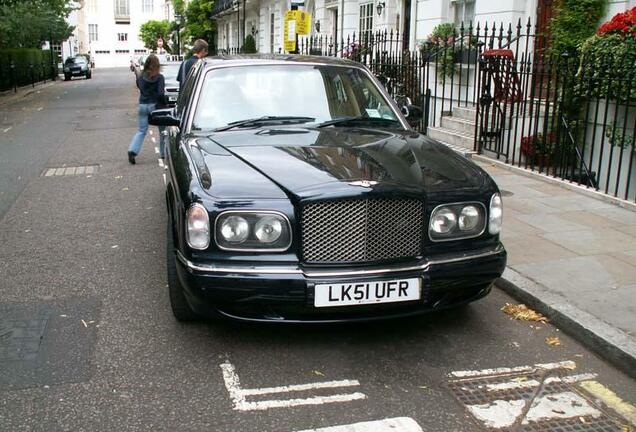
(286,294)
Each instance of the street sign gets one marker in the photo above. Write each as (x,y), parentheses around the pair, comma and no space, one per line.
(296,22)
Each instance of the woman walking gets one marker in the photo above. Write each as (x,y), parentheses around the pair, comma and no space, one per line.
(151,92)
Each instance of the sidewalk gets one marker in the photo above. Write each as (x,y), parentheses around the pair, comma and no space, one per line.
(574,257)
(9,96)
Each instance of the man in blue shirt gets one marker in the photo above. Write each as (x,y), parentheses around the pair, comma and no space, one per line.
(199,50)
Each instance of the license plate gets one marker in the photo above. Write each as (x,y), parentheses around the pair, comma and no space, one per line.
(172,98)
(359,293)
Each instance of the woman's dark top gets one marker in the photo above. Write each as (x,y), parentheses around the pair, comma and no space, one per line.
(150,89)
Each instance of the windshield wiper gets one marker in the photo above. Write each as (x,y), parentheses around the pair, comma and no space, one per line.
(265,119)
(355,119)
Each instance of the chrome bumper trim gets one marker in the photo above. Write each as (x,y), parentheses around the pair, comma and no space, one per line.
(253,270)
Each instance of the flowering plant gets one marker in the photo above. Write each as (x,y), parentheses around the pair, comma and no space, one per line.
(539,149)
(623,24)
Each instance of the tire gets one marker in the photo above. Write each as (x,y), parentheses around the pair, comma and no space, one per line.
(180,307)
(89,75)
(67,77)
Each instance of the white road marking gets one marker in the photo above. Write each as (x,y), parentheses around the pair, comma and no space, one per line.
(154,140)
(50,172)
(398,424)
(151,132)
(7,129)
(503,413)
(156,150)
(239,395)
(164,179)
(40,108)
(498,371)
(512,385)
(160,161)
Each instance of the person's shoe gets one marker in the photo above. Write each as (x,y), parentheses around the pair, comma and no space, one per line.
(131,157)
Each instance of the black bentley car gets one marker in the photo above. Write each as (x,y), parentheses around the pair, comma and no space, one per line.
(297,192)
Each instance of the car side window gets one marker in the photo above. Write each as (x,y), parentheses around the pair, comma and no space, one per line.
(184,94)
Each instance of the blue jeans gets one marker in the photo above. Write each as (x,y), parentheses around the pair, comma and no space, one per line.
(138,139)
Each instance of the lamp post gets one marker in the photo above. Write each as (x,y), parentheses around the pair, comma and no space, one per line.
(177,20)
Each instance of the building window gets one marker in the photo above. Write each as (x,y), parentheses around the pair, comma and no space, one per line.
(122,52)
(271,33)
(147,6)
(91,7)
(140,51)
(366,22)
(464,12)
(122,11)
(92,33)
(102,51)
(122,37)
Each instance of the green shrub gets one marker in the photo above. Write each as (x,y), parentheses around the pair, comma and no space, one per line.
(573,22)
(249,47)
(22,58)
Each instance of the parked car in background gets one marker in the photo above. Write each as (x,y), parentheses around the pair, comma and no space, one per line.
(76,66)
(170,70)
(297,192)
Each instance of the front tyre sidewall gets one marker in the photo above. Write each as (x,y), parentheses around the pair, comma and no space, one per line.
(180,307)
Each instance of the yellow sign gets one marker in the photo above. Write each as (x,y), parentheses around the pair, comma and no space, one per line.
(296,23)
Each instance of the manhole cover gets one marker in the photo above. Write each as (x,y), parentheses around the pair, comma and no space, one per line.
(70,171)
(537,400)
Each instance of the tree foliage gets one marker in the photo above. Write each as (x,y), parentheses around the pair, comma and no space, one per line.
(574,21)
(198,24)
(152,30)
(29,23)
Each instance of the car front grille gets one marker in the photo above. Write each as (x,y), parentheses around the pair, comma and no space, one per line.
(361,230)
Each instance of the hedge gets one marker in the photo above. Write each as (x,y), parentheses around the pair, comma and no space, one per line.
(22,58)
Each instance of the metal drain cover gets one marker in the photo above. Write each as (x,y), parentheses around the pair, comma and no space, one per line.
(535,400)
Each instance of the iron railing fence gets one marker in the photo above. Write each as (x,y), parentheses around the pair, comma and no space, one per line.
(563,116)
(13,76)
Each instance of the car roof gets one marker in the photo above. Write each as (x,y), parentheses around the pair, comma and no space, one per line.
(256,59)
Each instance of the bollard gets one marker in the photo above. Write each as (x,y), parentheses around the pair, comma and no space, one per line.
(15,84)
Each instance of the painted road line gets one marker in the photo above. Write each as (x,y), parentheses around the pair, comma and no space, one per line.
(504,413)
(239,395)
(160,161)
(519,369)
(513,385)
(299,387)
(611,399)
(164,179)
(7,129)
(156,150)
(151,132)
(398,424)
(154,140)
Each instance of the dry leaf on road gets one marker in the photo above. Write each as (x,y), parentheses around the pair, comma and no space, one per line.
(523,313)
(553,341)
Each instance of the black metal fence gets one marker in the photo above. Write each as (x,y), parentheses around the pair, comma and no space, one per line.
(564,116)
(13,76)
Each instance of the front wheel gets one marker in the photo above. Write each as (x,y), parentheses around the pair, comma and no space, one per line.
(88,75)
(180,307)
(67,77)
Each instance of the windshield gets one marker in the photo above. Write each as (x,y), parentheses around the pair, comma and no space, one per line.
(76,60)
(321,93)
(170,71)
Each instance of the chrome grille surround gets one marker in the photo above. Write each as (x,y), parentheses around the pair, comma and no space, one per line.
(362,230)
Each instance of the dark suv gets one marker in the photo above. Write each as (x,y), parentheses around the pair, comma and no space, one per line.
(76,66)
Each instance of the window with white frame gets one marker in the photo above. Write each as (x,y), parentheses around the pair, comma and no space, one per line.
(147,6)
(122,37)
(91,6)
(122,8)
(366,22)
(271,33)
(464,11)
(92,33)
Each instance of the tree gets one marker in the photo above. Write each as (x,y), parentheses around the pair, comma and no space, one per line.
(152,30)
(198,23)
(27,24)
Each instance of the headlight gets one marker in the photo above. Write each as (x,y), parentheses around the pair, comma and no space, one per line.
(253,231)
(198,227)
(495,216)
(235,229)
(457,221)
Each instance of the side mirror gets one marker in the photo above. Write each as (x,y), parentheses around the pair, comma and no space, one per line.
(163,117)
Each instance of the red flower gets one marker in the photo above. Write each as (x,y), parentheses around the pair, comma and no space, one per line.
(623,23)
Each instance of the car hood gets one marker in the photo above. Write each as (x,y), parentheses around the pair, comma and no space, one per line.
(309,162)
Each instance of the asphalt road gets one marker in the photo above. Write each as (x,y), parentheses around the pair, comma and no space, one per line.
(88,342)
